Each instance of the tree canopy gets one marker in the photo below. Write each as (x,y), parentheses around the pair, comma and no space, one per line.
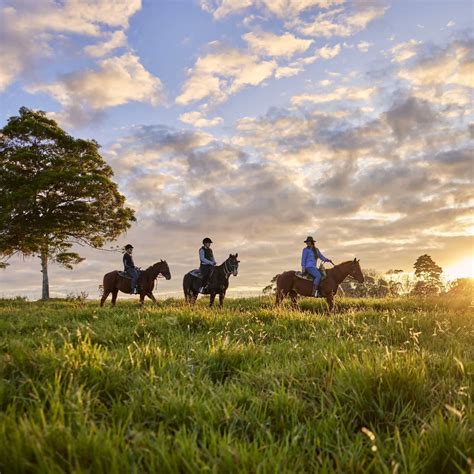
(429,276)
(55,190)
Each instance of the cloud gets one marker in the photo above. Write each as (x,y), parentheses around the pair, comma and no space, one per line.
(341,22)
(410,117)
(364,46)
(117,81)
(281,9)
(269,44)
(197,119)
(451,65)
(223,73)
(338,94)
(29,29)
(116,40)
(403,51)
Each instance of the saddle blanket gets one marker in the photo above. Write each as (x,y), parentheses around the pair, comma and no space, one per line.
(196,273)
(125,275)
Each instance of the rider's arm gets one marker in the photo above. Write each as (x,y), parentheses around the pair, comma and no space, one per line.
(203,259)
(323,258)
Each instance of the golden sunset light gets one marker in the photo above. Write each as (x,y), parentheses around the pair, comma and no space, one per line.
(236,236)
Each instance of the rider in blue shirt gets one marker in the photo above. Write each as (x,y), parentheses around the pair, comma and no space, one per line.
(309,260)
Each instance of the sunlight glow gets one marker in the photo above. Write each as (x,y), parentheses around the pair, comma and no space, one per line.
(461,269)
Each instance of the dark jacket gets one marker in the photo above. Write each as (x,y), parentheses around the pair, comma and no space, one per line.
(128,261)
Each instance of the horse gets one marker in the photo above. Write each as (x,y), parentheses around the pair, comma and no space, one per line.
(289,284)
(113,282)
(217,284)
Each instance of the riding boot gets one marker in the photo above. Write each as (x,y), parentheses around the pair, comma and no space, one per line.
(315,291)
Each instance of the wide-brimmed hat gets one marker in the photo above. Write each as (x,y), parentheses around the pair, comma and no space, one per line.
(309,239)
(128,246)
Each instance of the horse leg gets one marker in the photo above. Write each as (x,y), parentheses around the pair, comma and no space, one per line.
(294,299)
(104,297)
(279,297)
(221,299)
(114,296)
(151,296)
(211,299)
(330,302)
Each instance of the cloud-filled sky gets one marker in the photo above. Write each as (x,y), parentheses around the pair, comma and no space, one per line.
(257,123)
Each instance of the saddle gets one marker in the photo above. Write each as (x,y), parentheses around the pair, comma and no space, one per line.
(307,276)
(303,276)
(124,275)
(196,273)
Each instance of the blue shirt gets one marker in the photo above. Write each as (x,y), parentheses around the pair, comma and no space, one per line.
(308,259)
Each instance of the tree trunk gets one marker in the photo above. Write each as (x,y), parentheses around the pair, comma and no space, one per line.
(44,271)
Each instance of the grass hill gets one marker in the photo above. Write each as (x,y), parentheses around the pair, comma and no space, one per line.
(383,386)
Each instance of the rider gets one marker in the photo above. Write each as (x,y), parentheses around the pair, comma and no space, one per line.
(206,262)
(309,260)
(130,268)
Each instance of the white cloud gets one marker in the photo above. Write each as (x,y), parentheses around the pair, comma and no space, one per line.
(364,46)
(454,65)
(269,44)
(328,52)
(340,22)
(29,29)
(340,93)
(403,51)
(197,119)
(118,80)
(115,40)
(221,74)
(288,71)
(280,8)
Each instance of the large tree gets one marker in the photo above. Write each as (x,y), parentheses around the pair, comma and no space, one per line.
(55,190)
(428,274)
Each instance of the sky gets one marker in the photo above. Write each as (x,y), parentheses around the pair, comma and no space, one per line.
(257,123)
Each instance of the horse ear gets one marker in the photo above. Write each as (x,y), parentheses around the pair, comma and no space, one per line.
(355,260)
(236,255)
(358,260)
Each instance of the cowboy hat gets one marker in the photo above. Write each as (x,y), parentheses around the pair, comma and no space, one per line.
(309,239)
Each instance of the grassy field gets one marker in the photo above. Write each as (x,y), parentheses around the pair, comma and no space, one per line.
(384,386)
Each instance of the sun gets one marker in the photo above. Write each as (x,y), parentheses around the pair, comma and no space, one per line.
(462,269)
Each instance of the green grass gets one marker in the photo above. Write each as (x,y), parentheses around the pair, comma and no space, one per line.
(384,386)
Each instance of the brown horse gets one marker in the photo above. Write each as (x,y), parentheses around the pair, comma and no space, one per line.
(288,284)
(113,282)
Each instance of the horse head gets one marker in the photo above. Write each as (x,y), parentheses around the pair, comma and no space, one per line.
(158,268)
(232,264)
(356,271)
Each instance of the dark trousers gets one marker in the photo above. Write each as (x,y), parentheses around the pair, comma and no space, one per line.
(133,272)
(205,272)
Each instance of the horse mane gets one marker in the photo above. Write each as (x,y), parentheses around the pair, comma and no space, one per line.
(154,266)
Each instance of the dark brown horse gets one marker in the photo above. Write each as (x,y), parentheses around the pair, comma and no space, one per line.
(288,284)
(113,282)
(218,282)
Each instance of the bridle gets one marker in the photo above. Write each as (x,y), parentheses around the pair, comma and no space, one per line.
(229,269)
